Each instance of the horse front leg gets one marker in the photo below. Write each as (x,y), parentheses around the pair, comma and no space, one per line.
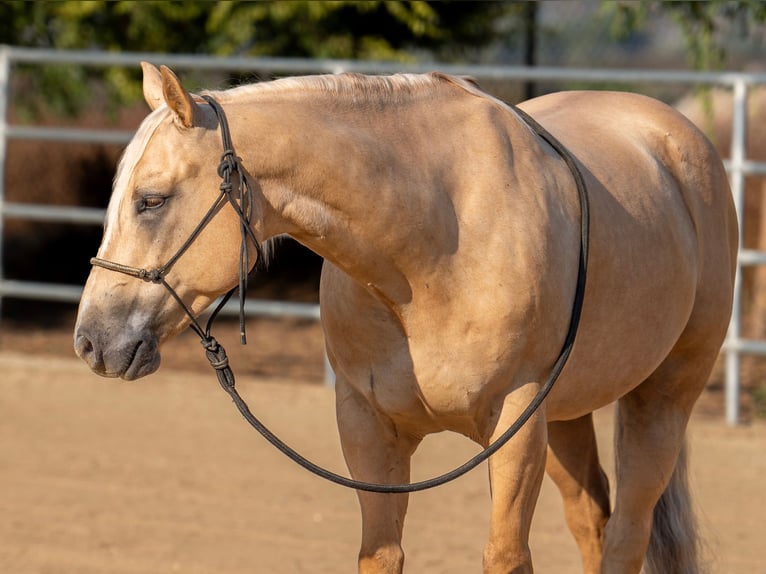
(375,452)
(516,472)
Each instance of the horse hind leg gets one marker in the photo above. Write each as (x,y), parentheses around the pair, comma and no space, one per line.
(573,464)
(653,523)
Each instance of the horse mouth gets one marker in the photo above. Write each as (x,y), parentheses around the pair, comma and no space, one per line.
(143,359)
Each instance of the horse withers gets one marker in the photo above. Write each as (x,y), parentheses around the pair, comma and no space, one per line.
(451,235)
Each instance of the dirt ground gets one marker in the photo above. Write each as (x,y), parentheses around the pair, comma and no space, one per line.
(162,475)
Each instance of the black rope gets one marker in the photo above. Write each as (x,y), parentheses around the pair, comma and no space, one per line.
(228,167)
(218,359)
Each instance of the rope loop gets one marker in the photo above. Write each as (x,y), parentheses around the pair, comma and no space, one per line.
(216,354)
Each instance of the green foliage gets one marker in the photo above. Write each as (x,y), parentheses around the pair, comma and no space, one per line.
(699,22)
(395,30)
(371,29)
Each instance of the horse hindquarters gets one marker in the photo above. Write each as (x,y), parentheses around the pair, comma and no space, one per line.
(652,489)
(672,390)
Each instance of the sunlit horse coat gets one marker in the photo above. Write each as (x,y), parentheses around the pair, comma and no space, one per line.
(450,234)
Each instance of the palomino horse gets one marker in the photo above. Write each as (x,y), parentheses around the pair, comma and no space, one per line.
(450,231)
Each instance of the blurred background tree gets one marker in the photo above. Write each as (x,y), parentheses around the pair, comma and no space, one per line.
(648,34)
(80,174)
(502,32)
(373,29)
(701,23)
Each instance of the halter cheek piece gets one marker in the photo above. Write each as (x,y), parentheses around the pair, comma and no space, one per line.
(243,207)
(216,354)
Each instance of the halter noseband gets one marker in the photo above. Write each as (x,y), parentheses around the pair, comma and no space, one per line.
(216,354)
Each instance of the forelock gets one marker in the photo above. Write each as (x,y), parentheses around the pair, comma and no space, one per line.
(127,164)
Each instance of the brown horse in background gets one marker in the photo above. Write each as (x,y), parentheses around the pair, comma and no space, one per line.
(450,232)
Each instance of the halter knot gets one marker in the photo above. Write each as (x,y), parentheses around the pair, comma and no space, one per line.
(151,276)
(210,344)
(228,164)
(215,353)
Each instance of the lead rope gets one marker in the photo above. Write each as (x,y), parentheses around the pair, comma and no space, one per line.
(216,354)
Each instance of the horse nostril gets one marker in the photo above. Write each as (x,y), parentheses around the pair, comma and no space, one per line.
(83,346)
(89,352)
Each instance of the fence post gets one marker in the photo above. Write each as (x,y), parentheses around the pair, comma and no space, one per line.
(5,89)
(737,180)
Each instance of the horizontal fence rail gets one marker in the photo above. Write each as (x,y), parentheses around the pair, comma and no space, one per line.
(738,165)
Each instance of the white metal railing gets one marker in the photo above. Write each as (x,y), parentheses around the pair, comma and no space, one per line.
(738,166)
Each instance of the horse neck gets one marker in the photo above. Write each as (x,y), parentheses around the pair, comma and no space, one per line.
(328,181)
(387,190)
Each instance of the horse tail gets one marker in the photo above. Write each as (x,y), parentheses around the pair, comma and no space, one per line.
(674,545)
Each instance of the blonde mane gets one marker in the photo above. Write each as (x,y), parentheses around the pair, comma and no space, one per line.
(342,87)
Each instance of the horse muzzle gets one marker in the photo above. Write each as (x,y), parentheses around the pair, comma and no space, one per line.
(125,353)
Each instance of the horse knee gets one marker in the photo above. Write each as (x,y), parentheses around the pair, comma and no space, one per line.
(385,560)
(506,560)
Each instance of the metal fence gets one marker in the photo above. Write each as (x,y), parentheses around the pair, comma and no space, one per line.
(738,166)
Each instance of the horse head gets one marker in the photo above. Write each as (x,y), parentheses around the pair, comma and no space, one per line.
(165,185)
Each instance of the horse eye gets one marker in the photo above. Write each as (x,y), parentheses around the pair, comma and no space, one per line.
(151,202)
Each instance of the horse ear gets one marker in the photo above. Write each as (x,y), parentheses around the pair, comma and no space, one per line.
(178,99)
(152,86)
